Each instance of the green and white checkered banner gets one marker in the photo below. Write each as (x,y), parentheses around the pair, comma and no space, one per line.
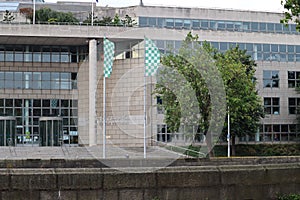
(152,57)
(109,51)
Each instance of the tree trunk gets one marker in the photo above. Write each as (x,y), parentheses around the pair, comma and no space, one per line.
(209,145)
(233,145)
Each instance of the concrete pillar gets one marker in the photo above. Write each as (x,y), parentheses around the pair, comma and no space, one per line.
(92,91)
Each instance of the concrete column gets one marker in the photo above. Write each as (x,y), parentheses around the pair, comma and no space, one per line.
(92,92)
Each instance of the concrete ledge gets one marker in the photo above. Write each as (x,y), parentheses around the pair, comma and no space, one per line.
(123,162)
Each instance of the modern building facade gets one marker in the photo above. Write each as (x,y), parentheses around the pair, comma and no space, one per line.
(56,71)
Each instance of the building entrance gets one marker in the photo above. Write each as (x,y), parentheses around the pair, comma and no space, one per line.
(51,131)
(7,131)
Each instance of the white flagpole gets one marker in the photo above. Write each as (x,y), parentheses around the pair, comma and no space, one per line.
(228,135)
(104,117)
(145,117)
(33,17)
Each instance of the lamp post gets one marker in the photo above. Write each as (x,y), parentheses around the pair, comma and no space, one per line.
(228,134)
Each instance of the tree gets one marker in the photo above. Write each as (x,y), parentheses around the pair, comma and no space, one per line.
(28,12)
(88,20)
(185,85)
(117,21)
(48,15)
(128,21)
(243,101)
(292,12)
(216,79)
(8,17)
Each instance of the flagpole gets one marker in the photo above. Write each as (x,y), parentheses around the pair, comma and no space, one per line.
(228,134)
(33,18)
(92,22)
(104,117)
(145,117)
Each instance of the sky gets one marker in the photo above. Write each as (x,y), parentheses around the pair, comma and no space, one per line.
(259,5)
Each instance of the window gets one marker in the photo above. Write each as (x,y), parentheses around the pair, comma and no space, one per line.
(178,23)
(279,132)
(195,24)
(187,24)
(294,104)
(160,109)
(272,105)
(293,79)
(143,21)
(271,79)
(163,133)
(170,23)
(204,24)
(152,22)
(254,26)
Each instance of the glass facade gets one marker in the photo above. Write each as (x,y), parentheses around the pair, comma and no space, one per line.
(18,75)
(43,54)
(217,25)
(258,51)
(28,112)
(38,80)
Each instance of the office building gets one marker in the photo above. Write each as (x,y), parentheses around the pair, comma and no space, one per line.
(52,70)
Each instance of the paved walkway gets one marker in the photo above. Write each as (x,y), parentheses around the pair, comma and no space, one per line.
(95,152)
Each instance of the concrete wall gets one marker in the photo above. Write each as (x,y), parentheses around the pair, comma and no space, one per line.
(209,182)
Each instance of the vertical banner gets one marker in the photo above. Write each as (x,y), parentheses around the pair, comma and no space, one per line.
(152,57)
(109,51)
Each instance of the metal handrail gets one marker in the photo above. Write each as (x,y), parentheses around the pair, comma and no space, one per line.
(200,154)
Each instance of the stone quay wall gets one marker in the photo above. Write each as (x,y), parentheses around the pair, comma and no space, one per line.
(232,182)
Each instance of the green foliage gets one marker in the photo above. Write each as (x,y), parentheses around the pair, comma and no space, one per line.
(8,17)
(261,150)
(245,107)
(236,69)
(245,150)
(108,21)
(292,12)
(117,21)
(128,21)
(48,15)
(289,197)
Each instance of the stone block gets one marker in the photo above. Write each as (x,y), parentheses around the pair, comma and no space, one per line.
(244,175)
(199,193)
(24,195)
(80,180)
(4,181)
(68,195)
(281,174)
(131,194)
(49,195)
(110,195)
(150,194)
(89,194)
(187,177)
(33,180)
(249,192)
(168,193)
(129,180)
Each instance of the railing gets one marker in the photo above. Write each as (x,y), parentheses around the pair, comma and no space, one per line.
(68,23)
(182,150)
